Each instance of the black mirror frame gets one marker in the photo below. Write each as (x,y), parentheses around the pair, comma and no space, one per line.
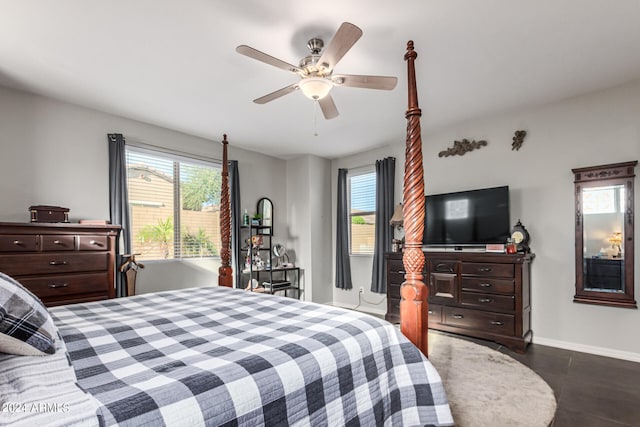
(613,174)
(269,230)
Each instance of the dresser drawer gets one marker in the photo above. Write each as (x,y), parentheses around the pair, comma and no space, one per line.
(489,285)
(22,265)
(64,285)
(393,290)
(396,266)
(74,299)
(488,301)
(435,313)
(487,269)
(497,323)
(54,242)
(395,278)
(443,266)
(18,243)
(93,243)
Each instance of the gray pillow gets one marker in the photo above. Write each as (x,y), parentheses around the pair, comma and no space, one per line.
(26,328)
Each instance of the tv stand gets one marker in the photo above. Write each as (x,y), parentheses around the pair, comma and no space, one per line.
(483,295)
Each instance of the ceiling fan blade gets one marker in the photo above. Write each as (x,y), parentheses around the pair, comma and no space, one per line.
(346,36)
(328,107)
(267,59)
(367,82)
(277,94)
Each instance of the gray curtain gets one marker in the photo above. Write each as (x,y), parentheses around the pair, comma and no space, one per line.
(343,263)
(119,203)
(234,196)
(385,183)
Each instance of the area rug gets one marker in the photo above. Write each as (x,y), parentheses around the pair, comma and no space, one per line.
(488,388)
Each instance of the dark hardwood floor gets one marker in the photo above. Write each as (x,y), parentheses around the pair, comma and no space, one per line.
(591,391)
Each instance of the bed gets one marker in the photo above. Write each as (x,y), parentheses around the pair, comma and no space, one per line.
(223,356)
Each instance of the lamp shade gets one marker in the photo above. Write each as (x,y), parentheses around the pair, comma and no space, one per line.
(315,87)
(397,218)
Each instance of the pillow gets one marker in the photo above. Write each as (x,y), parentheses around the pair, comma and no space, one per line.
(26,328)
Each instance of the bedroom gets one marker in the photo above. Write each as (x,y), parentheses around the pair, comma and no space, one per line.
(595,125)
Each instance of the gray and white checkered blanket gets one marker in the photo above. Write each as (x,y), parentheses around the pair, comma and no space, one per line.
(219,356)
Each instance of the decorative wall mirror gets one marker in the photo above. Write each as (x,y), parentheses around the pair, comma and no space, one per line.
(604,234)
(264,208)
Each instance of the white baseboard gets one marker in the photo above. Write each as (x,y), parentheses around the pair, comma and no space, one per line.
(368,310)
(600,351)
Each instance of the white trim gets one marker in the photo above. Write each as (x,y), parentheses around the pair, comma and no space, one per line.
(600,351)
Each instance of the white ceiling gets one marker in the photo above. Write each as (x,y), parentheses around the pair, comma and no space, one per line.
(173,63)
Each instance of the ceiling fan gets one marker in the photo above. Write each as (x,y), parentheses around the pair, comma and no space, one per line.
(316,70)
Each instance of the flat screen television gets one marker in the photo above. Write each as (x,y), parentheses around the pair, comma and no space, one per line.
(467,218)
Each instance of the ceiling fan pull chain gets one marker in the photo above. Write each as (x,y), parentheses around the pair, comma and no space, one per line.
(315,117)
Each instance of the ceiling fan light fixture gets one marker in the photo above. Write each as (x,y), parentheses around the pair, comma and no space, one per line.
(315,87)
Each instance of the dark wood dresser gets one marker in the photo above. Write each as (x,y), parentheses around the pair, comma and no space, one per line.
(61,263)
(482,295)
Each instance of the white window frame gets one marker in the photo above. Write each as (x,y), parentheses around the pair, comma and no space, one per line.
(352,174)
(175,156)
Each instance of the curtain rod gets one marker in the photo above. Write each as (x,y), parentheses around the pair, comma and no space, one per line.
(140,144)
(367,165)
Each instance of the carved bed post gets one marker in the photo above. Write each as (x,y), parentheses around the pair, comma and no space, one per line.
(225,272)
(413,306)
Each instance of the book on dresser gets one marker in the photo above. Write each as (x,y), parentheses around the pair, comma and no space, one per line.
(483,295)
(61,263)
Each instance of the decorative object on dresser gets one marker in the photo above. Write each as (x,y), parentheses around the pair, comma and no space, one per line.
(477,294)
(520,237)
(60,263)
(460,148)
(43,213)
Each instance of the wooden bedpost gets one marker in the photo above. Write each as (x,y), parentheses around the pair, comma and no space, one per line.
(225,272)
(413,305)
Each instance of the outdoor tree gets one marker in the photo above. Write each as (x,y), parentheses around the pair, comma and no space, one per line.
(200,187)
(197,244)
(160,233)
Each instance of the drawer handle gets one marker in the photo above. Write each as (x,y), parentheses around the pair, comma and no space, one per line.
(58,285)
(497,322)
(402,272)
(17,242)
(58,262)
(458,316)
(430,311)
(95,243)
(485,269)
(484,300)
(444,267)
(57,242)
(485,285)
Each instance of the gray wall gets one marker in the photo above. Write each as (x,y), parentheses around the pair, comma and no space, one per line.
(309,218)
(54,153)
(589,130)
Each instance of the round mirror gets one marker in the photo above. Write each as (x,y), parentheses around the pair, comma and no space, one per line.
(280,252)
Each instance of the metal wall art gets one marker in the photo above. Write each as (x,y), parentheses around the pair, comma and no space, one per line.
(461,147)
(518,139)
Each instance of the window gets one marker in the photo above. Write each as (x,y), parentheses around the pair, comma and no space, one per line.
(603,200)
(362,210)
(174,205)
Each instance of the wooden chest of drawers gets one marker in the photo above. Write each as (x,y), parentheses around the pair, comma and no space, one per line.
(477,294)
(61,263)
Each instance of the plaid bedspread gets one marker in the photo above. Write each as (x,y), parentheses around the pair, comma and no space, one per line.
(220,356)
